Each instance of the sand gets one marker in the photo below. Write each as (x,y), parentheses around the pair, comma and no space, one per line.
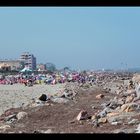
(18,95)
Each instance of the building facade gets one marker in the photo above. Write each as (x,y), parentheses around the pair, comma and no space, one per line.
(41,67)
(11,65)
(29,60)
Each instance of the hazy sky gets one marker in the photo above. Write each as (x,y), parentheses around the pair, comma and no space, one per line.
(78,37)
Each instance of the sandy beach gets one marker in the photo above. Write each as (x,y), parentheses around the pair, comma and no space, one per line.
(17,95)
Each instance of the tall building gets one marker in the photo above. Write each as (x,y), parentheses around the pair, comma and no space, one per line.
(29,60)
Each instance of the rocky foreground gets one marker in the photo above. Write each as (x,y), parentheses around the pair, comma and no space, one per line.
(106,106)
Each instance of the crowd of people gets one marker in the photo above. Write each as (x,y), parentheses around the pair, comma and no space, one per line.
(56,77)
(53,78)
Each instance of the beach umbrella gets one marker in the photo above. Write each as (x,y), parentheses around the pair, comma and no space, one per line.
(26,71)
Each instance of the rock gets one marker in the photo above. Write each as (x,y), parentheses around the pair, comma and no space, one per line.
(21,115)
(116,123)
(125,117)
(137,93)
(136,78)
(95,123)
(37,103)
(11,120)
(131,91)
(8,113)
(112,119)
(104,112)
(93,117)
(118,108)
(43,131)
(71,121)
(4,127)
(114,104)
(48,131)
(83,115)
(68,94)
(8,118)
(129,99)
(121,102)
(130,107)
(60,100)
(138,129)
(124,107)
(43,97)
(118,91)
(99,96)
(134,121)
(108,110)
(104,105)
(113,89)
(112,114)
(126,82)
(93,107)
(102,120)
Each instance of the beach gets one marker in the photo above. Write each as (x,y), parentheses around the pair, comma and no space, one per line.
(104,106)
(18,95)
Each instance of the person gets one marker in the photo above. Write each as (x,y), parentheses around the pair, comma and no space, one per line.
(25,82)
(30,82)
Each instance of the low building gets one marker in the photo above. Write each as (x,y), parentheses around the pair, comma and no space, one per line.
(41,67)
(5,67)
(11,65)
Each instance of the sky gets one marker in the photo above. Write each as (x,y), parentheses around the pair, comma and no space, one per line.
(77,37)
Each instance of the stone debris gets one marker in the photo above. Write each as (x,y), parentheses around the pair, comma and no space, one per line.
(83,115)
(8,118)
(48,131)
(43,97)
(36,103)
(130,107)
(116,123)
(102,120)
(4,127)
(21,115)
(94,117)
(138,129)
(99,96)
(133,122)
(112,114)
(43,131)
(95,123)
(118,111)
(11,121)
(129,99)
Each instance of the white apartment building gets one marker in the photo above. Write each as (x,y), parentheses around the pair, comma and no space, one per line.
(29,60)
